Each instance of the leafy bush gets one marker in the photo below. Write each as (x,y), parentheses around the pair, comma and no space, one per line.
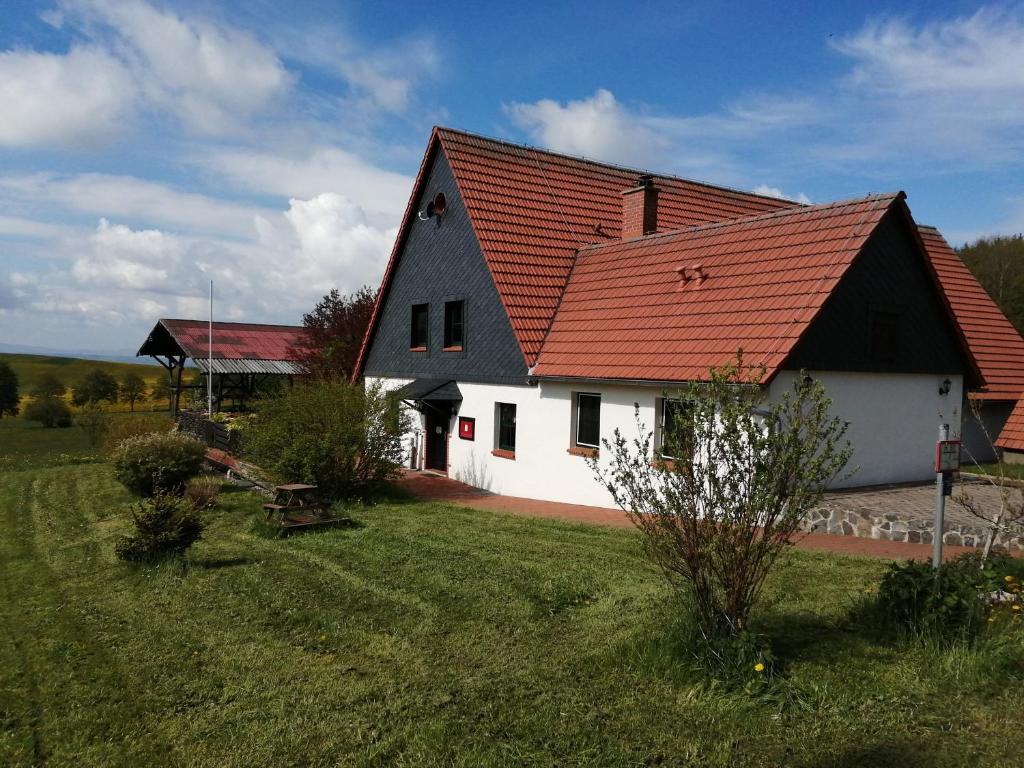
(158,462)
(202,492)
(342,437)
(48,411)
(952,603)
(165,527)
(121,429)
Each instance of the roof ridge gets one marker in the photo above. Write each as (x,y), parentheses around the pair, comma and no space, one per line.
(225,322)
(747,219)
(614,166)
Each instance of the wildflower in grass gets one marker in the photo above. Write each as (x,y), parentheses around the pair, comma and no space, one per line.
(1008,579)
(1016,607)
(759,667)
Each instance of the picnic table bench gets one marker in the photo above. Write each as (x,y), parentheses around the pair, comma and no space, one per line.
(297,505)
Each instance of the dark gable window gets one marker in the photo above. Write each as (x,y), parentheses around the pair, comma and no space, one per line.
(506,426)
(676,429)
(420,325)
(884,340)
(454,324)
(588,420)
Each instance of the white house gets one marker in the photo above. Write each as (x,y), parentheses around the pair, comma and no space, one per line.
(533,300)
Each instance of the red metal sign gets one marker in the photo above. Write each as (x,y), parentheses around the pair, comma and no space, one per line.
(947,455)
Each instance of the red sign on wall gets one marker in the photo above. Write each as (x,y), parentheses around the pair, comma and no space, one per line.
(467,428)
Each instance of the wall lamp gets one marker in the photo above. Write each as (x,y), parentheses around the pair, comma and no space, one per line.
(945,386)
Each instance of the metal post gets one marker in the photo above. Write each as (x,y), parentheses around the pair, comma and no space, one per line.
(940,507)
(209,361)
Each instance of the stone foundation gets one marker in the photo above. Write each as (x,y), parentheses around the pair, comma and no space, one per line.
(841,520)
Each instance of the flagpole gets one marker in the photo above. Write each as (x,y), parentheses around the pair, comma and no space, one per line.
(209,360)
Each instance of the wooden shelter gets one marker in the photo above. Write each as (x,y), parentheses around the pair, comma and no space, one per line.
(242,356)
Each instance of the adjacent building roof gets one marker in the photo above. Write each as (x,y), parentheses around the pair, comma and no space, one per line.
(237,347)
(1012,436)
(996,345)
(628,314)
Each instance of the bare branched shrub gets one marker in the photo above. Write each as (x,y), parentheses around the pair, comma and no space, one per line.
(746,472)
(202,492)
(1008,517)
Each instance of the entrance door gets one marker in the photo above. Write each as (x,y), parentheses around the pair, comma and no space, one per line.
(438,419)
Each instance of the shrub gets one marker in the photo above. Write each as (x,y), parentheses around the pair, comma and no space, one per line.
(48,411)
(342,437)
(94,421)
(165,527)
(716,518)
(952,603)
(158,462)
(202,492)
(121,429)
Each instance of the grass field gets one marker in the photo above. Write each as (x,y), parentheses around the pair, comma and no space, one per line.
(72,370)
(434,635)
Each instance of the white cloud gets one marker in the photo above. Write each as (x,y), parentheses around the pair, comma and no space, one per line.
(597,126)
(305,175)
(128,197)
(768,191)
(212,77)
(74,100)
(112,284)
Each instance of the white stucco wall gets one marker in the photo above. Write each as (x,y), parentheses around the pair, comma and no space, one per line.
(893,426)
(894,420)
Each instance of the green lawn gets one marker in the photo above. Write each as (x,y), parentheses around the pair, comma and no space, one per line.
(25,444)
(434,635)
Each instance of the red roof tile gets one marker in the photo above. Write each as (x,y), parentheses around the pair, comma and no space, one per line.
(996,345)
(532,209)
(1012,436)
(237,341)
(626,315)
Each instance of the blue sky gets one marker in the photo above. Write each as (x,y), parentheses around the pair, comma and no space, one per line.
(148,147)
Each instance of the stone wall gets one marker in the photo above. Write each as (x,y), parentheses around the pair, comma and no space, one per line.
(838,517)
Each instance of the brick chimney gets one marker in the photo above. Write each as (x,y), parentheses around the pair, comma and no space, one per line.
(640,209)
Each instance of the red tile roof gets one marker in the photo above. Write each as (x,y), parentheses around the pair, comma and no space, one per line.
(532,209)
(237,341)
(1012,436)
(996,345)
(626,315)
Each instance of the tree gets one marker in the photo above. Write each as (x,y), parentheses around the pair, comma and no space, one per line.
(334,333)
(161,390)
(998,264)
(131,389)
(96,386)
(9,396)
(95,422)
(49,385)
(716,518)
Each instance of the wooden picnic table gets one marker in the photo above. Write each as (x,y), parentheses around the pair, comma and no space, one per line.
(298,505)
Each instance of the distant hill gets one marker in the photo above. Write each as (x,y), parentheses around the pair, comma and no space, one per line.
(86,354)
(71,370)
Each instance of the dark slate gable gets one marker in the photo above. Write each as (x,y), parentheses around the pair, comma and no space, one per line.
(441,261)
(889,276)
